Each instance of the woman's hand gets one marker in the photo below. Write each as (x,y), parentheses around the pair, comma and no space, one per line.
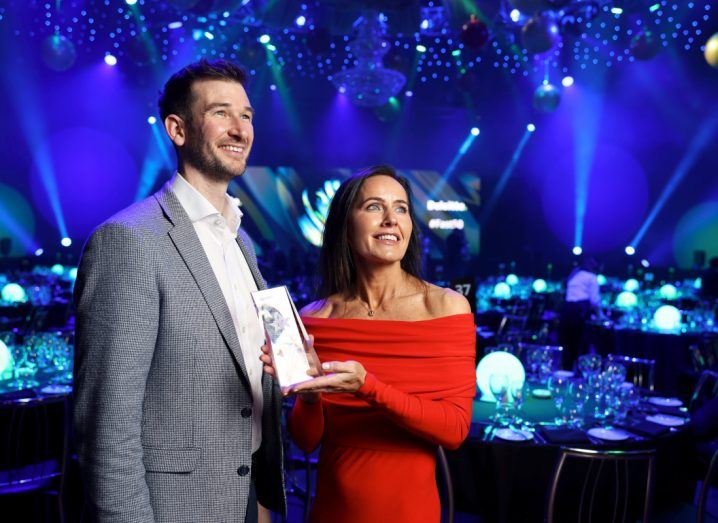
(340,376)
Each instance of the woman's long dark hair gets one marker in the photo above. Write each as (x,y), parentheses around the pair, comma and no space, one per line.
(337,270)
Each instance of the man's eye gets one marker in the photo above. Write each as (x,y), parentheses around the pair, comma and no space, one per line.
(221,113)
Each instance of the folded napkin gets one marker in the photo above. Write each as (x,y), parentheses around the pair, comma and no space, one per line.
(561,436)
(17,394)
(644,428)
(681,412)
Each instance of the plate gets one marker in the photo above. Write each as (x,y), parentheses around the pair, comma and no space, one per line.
(666,420)
(608,434)
(541,393)
(513,434)
(665,402)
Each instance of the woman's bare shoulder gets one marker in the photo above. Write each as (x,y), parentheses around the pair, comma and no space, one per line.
(320,308)
(446,302)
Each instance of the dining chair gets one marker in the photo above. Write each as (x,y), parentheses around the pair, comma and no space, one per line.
(447,487)
(706,389)
(34,447)
(639,371)
(705,488)
(601,485)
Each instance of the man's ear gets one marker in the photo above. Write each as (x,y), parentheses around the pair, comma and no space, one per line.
(176,129)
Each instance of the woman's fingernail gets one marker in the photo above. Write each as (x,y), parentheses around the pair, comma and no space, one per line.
(325,366)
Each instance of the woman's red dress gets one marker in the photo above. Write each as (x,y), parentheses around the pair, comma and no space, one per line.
(378,456)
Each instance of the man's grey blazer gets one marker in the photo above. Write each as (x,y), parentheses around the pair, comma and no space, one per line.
(162,404)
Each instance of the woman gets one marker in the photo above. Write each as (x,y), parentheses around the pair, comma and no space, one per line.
(398,362)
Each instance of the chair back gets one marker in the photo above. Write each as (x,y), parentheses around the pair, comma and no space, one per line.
(705,487)
(639,371)
(705,390)
(593,485)
(447,487)
(34,444)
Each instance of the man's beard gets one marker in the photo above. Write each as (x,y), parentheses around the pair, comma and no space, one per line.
(208,163)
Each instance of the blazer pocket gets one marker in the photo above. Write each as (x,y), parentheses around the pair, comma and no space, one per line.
(170,460)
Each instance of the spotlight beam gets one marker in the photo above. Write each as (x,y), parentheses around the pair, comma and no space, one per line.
(452,166)
(504,178)
(701,139)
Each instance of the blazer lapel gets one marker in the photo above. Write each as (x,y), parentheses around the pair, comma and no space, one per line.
(252,263)
(190,248)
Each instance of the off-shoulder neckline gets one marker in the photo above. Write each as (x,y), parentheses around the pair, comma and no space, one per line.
(390,321)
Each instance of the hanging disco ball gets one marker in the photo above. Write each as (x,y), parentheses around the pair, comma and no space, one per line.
(474,33)
(711,51)
(645,45)
(540,34)
(546,98)
(58,52)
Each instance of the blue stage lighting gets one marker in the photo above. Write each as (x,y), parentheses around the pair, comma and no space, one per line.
(409,94)
(110,59)
(530,127)
(130,2)
(174,25)
(424,24)
(567,81)
(645,263)
(272,87)
(515,15)
(208,35)
(151,120)
(475,131)
(577,250)
(342,89)
(630,250)
(421,48)
(300,21)
(66,242)
(38,252)
(264,39)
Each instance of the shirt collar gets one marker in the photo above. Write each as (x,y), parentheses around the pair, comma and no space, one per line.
(198,207)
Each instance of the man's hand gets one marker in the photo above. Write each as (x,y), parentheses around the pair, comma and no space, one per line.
(315,367)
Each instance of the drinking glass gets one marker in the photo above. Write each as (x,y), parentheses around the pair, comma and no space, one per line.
(589,365)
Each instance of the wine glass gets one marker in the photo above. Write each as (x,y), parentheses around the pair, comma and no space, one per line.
(558,385)
(590,366)
(499,385)
(518,390)
(576,397)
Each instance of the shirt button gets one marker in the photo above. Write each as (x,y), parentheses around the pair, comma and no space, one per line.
(246,412)
(243,470)
(218,222)
(244,330)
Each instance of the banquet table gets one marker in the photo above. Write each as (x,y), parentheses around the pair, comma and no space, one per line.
(669,349)
(506,481)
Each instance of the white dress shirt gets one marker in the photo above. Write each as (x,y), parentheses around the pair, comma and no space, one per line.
(583,286)
(217,232)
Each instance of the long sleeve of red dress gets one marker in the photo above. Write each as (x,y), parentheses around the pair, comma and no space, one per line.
(417,394)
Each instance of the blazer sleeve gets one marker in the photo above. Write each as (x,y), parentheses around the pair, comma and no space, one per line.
(117,302)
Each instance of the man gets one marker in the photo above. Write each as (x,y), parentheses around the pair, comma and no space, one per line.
(583,299)
(175,421)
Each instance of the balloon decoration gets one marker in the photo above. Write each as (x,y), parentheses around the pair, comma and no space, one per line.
(546,98)
(711,52)
(474,33)
(58,52)
(529,7)
(645,45)
(540,34)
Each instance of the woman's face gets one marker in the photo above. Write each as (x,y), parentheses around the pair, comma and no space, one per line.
(379,223)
